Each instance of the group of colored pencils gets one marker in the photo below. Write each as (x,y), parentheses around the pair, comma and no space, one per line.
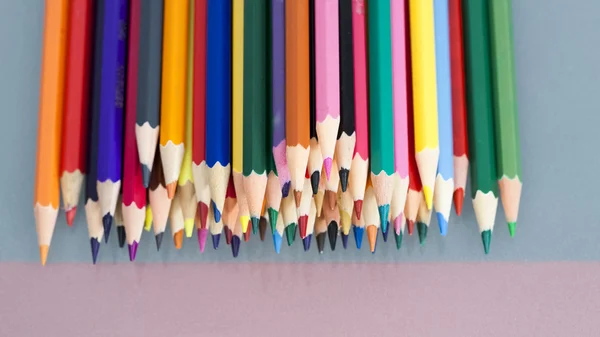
(239,116)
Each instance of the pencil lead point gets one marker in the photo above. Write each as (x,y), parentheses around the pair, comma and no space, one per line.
(358,204)
(344,174)
(422,229)
(235,246)
(285,190)
(262,228)
(255,222)
(358,235)
(171,188)
(95,246)
(277,242)
(244,220)
(228,234)
(121,235)
(372,235)
(202,235)
(178,239)
(132,250)
(398,224)
(273,214)
(202,213)
(345,240)
(297,197)
(247,235)
(321,242)
(70,214)
(486,238)
(158,238)
(459,197)
(410,225)
(216,211)
(290,233)
(306,242)
(511,228)
(442,224)
(188,226)
(385,233)
(327,163)
(384,211)
(428,193)
(398,237)
(332,232)
(303,224)
(107,223)
(146,173)
(148,219)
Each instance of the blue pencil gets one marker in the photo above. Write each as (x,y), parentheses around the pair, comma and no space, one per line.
(444,181)
(218,101)
(112,101)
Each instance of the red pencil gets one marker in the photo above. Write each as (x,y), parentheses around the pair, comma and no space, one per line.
(74,131)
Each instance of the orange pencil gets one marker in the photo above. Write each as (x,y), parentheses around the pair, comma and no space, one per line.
(47,194)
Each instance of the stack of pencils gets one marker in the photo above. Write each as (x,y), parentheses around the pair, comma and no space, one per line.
(317,117)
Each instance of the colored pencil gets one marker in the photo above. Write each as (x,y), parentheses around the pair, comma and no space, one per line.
(148,219)
(315,157)
(112,104)
(236,238)
(278,94)
(508,153)
(331,187)
(423,221)
(444,180)
(381,111)
(273,199)
(264,221)
(310,226)
(199,168)
(360,159)
(358,228)
(176,220)
(346,207)
(218,101)
(484,188)
(159,200)
(47,193)
(346,137)
(278,234)
(118,220)
(303,209)
(134,193)
(459,110)
(74,128)
(243,212)
(185,183)
(372,220)
(319,197)
(427,150)
(290,218)
(149,84)
(93,213)
(327,70)
(230,216)
(215,228)
(297,92)
(320,232)
(173,94)
(332,219)
(399,87)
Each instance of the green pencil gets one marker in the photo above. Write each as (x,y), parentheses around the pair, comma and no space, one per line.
(484,189)
(381,132)
(255,106)
(508,153)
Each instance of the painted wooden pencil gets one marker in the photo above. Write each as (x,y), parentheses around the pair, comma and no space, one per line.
(134,193)
(173,94)
(444,180)
(230,216)
(278,93)
(199,167)
(218,101)
(75,115)
(381,106)
(112,104)
(93,213)
(331,187)
(303,209)
(360,158)
(320,232)
(118,220)
(332,219)
(423,220)
(508,152)
(346,207)
(255,107)
(315,157)
(185,183)
(47,194)
(159,200)
(149,84)
(310,226)
(346,137)
(484,188)
(459,104)
(297,92)
(327,69)
(358,228)
(273,199)
(176,220)
(424,94)
(399,87)
(372,220)
(290,218)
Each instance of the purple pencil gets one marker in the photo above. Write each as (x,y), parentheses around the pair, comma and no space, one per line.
(112,100)
(278,92)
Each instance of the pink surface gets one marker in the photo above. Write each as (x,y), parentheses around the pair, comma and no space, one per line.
(359,45)
(327,60)
(399,87)
(447,299)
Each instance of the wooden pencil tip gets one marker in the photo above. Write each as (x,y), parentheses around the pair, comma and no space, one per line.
(372,235)
(44,254)
(171,189)
(297,197)
(178,239)
(70,214)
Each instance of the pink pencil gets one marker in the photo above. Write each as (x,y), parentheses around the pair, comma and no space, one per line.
(400,118)
(327,66)
(360,160)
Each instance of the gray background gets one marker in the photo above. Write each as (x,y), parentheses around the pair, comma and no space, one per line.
(557,52)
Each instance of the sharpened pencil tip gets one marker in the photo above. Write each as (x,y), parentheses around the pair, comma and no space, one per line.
(290,233)
(178,239)
(422,229)
(344,174)
(148,219)
(247,234)
(486,238)
(216,238)
(458,197)
(216,211)
(358,235)
(327,163)
(385,233)
(428,193)
(70,215)
(442,224)
(285,189)
(314,181)
(44,254)
(244,220)
(277,242)
(345,240)
(410,225)
(262,228)
(358,204)
(273,214)
(202,235)
(158,238)
(255,222)
(95,246)
(235,246)
(332,233)
(228,234)
(321,242)
(511,228)
(133,250)
(171,188)
(202,213)
(188,226)
(107,223)
(306,242)
(384,211)
(303,224)
(297,197)
(398,237)
(372,235)
(121,235)
(146,173)
(398,224)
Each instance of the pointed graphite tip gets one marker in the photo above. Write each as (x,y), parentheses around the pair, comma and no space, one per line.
(306,242)
(70,214)
(95,246)
(442,223)
(235,246)
(344,173)
(314,181)
(121,235)
(321,242)
(285,190)
(106,223)
(290,233)
(398,237)
(262,228)
(303,224)
(428,193)
(228,234)
(202,213)
(358,236)
(410,225)
(215,240)
(511,228)
(178,239)
(345,240)
(171,188)
(384,211)
(458,197)
(422,229)
(277,242)
(273,214)
(372,235)
(216,211)
(297,197)
(332,233)
(486,238)
(132,250)
(202,235)
(188,226)
(146,173)
(331,199)
(327,162)
(358,208)
(158,238)
(255,222)
(385,233)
